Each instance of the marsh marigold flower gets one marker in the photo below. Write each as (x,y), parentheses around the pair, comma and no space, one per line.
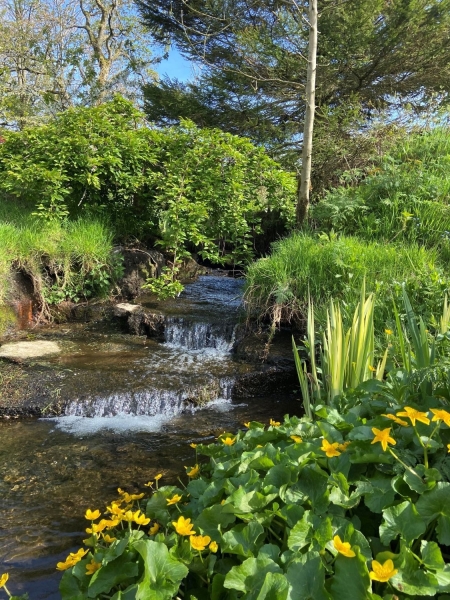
(183,526)
(448,448)
(140,518)
(382,436)
(388,331)
(174,500)
(343,447)
(92,567)
(330,449)
(213,547)
(194,472)
(382,572)
(91,515)
(158,477)
(297,439)
(3,579)
(414,415)
(154,529)
(199,542)
(228,441)
(343,548)
(396,420)
(441,415)
(247,424)
(109,539)
(149,483)
(372,369)
(274,423)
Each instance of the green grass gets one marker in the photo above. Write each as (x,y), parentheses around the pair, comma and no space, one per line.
(323,267)
(66,260)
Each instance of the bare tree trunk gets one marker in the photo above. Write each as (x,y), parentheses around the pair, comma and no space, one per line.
(305,176)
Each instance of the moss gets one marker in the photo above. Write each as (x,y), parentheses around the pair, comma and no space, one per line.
(8,319)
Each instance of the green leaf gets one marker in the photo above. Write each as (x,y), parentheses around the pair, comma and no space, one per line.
(109,575)
(301,534)
(244,540)
(70,587)
(306,577)
(431,555)
(436,504)
(163,574)
(350,579)
(275,587)
(211,520)
(313,483)
(403,520)
(249,577)
(411,579)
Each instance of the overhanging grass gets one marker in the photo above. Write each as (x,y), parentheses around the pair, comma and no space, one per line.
(59,256)
(324,267)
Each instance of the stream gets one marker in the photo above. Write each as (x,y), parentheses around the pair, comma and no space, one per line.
(132,414)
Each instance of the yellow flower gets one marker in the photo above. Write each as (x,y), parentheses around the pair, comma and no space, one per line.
(97,527)
(109,523)
(108,539)
(448,448)
(396,420)
(91,515)
(213,547)
(199,542)
(114,509)
(67,564)
(183,526)
(149,483)
(441,415)
(193,445)
(137,496)
(330,449)
(78,554)
(382,572)
(128,516)
(373,369)
(158,477)
(194,472)
(274,423)
(3,579)
(297,439)
(140,519)
(228,441)
(154,529)
(414,415)
(382,436)
(343,548)
(174,500)
(92,567)
(248,427)
(388,331)
(343,447)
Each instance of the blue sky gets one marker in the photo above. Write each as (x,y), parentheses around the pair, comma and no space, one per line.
(175,66)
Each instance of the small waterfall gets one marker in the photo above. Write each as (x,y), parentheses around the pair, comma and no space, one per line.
(194,335)
(191,368)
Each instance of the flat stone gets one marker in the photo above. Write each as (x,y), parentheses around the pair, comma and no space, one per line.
(23,350)
(124,309)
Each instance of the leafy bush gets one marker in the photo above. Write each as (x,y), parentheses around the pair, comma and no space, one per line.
(321,267)
(404,197)
(185,188)
(354,505)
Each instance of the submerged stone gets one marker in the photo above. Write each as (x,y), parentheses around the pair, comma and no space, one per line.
(24,350)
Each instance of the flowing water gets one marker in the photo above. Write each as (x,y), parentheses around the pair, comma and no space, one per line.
(133,413)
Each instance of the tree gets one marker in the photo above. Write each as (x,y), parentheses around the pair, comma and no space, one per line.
(373,54)
(59,53)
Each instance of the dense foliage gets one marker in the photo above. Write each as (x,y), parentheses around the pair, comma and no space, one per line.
(185,188)
(327,265)
(403,196)
(353,505)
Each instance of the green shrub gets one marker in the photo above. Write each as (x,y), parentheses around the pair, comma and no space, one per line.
(182,187)
(329,266)
(405,196)
(355,505)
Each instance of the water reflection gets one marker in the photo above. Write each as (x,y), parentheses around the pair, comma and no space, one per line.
(48,477)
